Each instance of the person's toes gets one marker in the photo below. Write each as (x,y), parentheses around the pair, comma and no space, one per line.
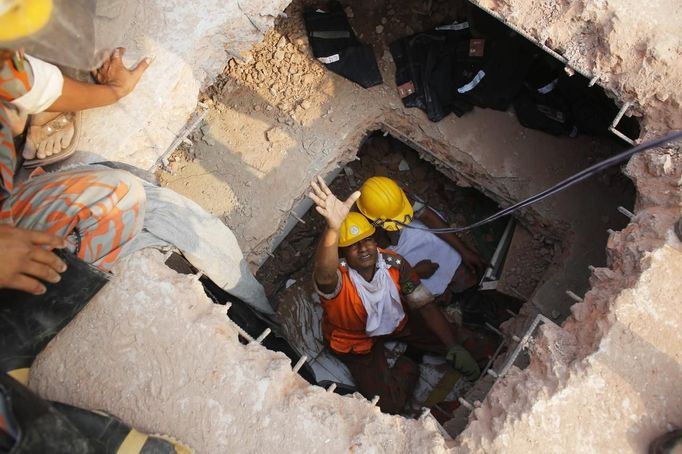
(53,145)
(41,149)
(65,137)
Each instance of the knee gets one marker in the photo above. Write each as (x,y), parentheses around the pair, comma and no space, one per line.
(133,183)
(129,187)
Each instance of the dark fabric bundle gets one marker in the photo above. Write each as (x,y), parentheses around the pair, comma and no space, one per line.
(449,70)
(334,44)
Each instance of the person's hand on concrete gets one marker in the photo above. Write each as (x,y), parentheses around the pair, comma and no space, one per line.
(331,208)
(27,259)
(115,75)
(425,268)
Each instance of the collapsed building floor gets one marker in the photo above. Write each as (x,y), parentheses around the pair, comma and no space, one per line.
(277,118)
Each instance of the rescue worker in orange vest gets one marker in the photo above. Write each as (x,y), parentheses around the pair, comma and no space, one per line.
(371,296)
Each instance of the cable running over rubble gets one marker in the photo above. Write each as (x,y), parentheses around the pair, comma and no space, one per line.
(570,181)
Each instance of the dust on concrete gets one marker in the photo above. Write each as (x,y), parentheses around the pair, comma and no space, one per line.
(139,362)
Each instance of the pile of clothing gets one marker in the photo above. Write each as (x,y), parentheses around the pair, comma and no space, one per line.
(458,66)
(334,44)
(474,61)
(449,70)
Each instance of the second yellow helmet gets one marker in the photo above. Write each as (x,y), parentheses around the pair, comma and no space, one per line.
(382,198)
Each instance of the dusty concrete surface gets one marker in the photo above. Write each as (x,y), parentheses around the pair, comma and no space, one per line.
(139,362)
(190,44)
(616,399)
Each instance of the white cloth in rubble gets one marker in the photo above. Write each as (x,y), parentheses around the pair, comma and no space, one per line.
(381,299)
(417,245)
(173,220)
(48,83)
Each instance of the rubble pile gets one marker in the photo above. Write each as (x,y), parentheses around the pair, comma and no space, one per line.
(281,74)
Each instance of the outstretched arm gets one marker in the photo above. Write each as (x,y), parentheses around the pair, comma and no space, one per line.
(334,211)
(114,81)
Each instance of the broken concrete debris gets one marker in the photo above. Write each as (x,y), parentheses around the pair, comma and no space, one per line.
(614,344)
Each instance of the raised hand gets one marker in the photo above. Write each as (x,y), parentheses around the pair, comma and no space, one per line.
(331,208)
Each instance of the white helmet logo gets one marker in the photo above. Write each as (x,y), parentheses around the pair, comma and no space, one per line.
(354,230)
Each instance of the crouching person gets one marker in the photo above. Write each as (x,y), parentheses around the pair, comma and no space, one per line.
(372,296)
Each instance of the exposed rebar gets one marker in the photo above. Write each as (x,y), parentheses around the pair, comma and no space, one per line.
(263,335)
(464,403)
(625,212)
(300,363)
(574,297)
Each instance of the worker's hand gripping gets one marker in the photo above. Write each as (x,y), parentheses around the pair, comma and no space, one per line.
(114,74)
(331,208)
(462,361)
(27,259)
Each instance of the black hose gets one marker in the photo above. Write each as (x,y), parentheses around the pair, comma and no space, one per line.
(570,181)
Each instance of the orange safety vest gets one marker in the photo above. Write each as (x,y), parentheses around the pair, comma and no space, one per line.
(345,318)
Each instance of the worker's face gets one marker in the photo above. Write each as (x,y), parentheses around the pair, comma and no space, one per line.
(361,255)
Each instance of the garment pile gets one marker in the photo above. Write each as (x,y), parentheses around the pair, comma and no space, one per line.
(470,62)
(478,62)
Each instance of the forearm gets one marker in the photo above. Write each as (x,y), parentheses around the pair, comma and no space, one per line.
(80,96)
(436,321)
(327,258)
(433,221)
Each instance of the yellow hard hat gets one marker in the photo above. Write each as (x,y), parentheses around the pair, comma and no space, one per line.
(354,228)
(382,198)
(21,18)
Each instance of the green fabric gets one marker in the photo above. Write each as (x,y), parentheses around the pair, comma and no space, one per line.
(462,361)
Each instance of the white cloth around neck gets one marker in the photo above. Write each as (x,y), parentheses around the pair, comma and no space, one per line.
(381,299)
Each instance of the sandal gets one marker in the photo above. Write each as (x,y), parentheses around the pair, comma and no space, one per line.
(49,131)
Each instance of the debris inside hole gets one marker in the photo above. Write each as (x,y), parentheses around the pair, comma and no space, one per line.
(291,120)
(287,276)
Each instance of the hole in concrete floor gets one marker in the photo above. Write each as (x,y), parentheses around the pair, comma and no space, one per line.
(287,276)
